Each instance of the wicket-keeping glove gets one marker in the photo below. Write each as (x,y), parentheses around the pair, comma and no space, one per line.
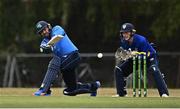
(122,55)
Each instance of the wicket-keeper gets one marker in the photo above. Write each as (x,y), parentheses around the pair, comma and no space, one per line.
(135,42)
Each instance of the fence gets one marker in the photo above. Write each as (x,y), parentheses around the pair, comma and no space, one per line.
(28,70)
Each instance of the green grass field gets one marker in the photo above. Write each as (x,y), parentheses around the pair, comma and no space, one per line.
(22,98)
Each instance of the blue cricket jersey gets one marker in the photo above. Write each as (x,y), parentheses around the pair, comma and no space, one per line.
(140,44)
(64,46)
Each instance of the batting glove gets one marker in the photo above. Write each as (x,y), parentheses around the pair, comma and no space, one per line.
(44,48)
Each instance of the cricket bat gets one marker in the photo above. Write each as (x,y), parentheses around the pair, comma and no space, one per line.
(54,40)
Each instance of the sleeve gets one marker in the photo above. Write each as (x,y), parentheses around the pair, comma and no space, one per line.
(57,30)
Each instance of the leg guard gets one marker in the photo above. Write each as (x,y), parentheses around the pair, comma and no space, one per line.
(122,71)
(120,82)
(52,73)
(161,85)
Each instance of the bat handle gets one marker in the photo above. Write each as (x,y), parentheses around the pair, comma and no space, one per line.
(48,45)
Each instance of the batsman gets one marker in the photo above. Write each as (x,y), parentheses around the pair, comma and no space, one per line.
(65,59)
(131,43)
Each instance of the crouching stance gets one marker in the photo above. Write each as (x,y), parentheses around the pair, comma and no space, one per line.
(65,59)
(130,43)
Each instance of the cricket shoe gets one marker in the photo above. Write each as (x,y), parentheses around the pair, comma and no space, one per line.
(164,95)
(40,92)
(94,88)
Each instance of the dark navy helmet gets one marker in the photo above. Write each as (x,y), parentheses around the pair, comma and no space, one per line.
(40,26)
(127,27)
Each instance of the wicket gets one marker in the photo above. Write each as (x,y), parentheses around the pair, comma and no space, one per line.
(137,59)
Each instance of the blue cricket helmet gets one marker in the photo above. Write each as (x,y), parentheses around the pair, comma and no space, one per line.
(40,26)
(127,27)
